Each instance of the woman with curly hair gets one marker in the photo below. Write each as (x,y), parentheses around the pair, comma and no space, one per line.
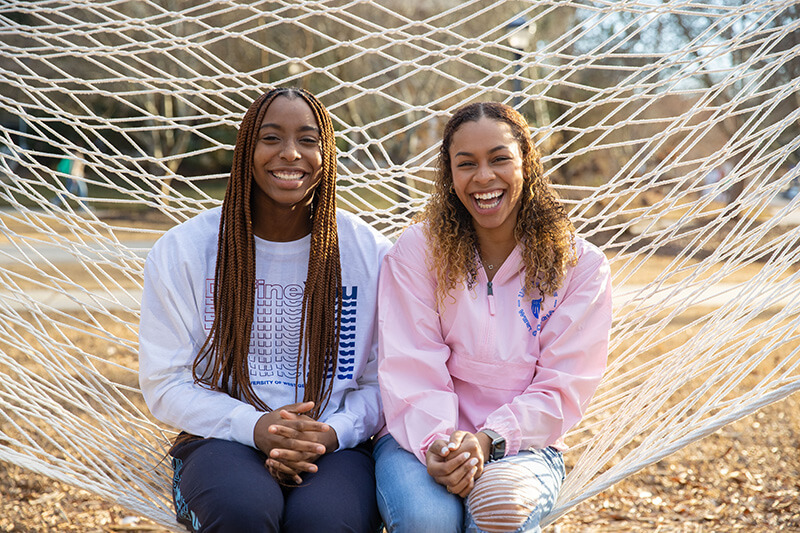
(494,320)
(258,338)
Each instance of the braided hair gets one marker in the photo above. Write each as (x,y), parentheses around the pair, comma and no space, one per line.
(222,362)
(543,230)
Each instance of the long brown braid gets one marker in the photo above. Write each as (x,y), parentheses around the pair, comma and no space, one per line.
(222,362)
(543,230)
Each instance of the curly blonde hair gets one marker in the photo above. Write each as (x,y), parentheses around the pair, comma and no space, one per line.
(543,230)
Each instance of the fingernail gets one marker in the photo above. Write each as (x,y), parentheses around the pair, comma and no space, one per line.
(473,461)
(465,455)
(452,445)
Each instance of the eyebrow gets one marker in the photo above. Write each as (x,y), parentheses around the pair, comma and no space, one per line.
(278,127)
(469,154)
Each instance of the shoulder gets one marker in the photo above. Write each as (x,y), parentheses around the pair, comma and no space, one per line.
(411,250)
(355,232)
(412,242)
(592,266)
(196,237)
(361,247)
(588,254)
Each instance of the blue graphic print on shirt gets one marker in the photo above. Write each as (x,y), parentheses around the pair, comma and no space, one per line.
(347,338)
(276,332)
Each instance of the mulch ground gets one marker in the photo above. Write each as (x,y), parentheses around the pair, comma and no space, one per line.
(746,476)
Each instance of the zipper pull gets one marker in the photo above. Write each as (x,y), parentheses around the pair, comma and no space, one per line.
(490,295)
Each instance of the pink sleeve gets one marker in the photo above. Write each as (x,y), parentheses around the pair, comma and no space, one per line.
(417,391)
(572,359)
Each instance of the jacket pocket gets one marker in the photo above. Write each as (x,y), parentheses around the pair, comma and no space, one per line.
(500,375)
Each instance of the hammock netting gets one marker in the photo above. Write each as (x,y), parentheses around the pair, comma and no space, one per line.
(670,130)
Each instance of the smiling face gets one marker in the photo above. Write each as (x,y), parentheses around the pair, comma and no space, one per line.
(487,169)
(287,160)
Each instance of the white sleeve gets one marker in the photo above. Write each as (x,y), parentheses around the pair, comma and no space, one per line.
(360,414)
(170,335)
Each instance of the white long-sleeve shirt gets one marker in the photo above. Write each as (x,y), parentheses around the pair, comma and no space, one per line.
(177,313)
(489,359)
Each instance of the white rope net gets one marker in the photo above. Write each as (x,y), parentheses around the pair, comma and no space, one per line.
(670,129)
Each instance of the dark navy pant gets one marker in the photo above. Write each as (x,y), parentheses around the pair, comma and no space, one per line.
(223,486)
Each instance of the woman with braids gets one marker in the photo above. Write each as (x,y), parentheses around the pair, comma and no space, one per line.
(497,349)
(258,338)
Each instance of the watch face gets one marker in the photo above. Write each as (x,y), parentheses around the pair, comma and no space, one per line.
(497,448)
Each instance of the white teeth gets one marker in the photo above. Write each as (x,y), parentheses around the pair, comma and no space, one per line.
(488,200)
(487,195)
(289,176)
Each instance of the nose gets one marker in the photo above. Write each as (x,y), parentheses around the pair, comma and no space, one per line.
(289,151)
(484,174)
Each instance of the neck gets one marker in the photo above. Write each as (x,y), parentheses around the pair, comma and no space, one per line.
(282,224)
(494,249)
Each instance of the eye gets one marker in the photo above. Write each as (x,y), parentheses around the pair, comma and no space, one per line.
(309,140)
(270,138)
(464,164)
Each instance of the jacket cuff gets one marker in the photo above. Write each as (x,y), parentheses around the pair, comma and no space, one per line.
(426,444)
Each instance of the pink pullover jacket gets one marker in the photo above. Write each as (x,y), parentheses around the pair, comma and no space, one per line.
(489,358)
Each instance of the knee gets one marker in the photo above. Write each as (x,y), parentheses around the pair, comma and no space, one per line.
(360,518)
(417,515)
(408,498)
(424,521)
(504,499)
(237,516)
(209,510)
(501,517)
(222,486)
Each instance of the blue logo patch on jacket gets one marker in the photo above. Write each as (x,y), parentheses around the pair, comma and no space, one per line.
(536,317)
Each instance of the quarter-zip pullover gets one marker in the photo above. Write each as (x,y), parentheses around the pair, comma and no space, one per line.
(489,356)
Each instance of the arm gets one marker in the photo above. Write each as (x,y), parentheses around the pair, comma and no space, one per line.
(357,419)
(572,359)
(359,416)
(420,405)
(170,336)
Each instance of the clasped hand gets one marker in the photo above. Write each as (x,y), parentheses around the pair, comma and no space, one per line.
(293,441)
(456,464)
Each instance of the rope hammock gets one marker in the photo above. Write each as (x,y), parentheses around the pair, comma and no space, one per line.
(669,128)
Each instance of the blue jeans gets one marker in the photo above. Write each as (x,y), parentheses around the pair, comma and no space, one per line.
(411,501)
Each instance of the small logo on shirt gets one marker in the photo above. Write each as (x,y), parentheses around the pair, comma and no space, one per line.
(535,313)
